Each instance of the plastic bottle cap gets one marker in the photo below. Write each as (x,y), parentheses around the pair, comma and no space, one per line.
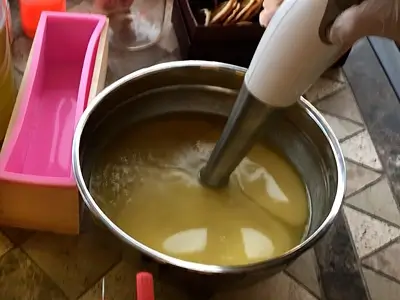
(144,286)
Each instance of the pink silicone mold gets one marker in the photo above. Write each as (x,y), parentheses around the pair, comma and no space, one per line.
(37,188)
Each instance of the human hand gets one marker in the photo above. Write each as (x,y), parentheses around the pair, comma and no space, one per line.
(269,9)
(371,17)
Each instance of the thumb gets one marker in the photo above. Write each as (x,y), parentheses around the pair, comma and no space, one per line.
(354,23)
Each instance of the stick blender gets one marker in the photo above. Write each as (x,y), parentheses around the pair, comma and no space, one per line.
(293,52)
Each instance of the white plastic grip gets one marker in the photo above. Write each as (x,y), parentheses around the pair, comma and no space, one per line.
(291,55)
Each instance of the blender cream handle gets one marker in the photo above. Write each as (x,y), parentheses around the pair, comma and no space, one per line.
(294,50)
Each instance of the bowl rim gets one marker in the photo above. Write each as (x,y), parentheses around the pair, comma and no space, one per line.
(192,266)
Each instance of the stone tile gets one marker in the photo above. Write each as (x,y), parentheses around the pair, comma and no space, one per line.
(72,3)
(17,78)
(75,263)
(110,77)
(122,63)
(338,262)
(377,200)
(368,233)
(335,74)
(360,149)
(324,87)
(16,235)
(305,270)
(177,54)
(386,261)
(341,104)
(21,279)
(341,128)
(5,244)
(15,19)
(79,6)
(153,10)
(169,57)
(120,283)
(280,287)
(358,177)
(20,51)
(168,10)
(168,41)
(381,288)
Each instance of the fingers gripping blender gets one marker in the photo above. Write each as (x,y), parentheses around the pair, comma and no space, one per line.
(293,52)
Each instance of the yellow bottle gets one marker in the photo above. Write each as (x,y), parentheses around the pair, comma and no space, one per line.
(7,85)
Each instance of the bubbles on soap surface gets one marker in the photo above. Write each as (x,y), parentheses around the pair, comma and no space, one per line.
(150,189)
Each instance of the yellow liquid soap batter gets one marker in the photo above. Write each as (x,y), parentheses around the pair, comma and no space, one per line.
(146,181)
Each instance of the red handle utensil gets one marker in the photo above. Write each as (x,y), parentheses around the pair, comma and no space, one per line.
(144,286)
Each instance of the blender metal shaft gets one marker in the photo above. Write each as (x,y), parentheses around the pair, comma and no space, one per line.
(292,54)
(240,133)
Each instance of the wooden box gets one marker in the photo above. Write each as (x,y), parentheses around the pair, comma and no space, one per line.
(229,44)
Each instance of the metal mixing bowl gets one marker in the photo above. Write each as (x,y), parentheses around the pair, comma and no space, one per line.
(300,133)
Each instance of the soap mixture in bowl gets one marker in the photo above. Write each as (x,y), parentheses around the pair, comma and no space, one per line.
(146,181)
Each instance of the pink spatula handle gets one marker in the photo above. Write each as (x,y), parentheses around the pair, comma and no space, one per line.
(144,286)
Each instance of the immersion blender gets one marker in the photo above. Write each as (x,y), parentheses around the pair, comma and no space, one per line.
(292,54)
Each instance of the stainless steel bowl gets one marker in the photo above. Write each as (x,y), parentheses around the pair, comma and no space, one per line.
(300,133)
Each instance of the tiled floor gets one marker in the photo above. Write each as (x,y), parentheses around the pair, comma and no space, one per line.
(372,214)
(45,266)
